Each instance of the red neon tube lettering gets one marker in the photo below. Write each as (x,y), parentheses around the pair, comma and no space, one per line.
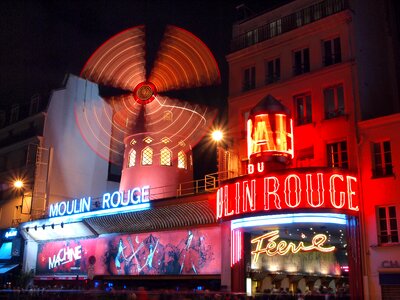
(226,201)
(271,192)
(310,191)
(351,193)
(332,190)
(249,195)
(289,192)
(237,197)
(220,202)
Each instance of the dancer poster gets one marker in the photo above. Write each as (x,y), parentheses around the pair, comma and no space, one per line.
(191,251)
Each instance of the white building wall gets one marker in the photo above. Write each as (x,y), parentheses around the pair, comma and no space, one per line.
(75,169)
(30,256)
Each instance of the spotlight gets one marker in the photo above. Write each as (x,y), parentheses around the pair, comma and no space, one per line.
(52,226)
(36,227)
(27,229)
(62,225)
(44,227)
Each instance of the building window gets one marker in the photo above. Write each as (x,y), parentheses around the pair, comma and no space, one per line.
(252,37)
(131,158)
(305,157)
(165,140)
(275,28)
(301,61)
(382,159)
(337,155)
(182,163)
(14,113)
(147,140)
(332,52)
(303,109)
(249,79)
(387,223)
(165,157)
(168,116)
(272,71)
(334,102)
(147,156)
(34,105)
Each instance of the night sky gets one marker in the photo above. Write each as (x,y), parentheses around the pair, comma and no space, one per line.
(41,41)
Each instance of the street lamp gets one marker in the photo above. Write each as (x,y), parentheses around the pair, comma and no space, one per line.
(217,135)
(18,183)
(19,186)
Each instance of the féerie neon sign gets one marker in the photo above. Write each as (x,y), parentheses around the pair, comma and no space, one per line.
(133,197)
(272,248)
(288,190)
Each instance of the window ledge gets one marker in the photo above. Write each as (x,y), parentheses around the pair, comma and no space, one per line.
(383,176)
(386,245)
(305,124)
(338,117)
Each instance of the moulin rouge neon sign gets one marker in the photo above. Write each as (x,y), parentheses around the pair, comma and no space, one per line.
(133,197)
(288,190)
(272,248)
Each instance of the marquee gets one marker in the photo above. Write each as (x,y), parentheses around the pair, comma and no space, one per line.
(288,190)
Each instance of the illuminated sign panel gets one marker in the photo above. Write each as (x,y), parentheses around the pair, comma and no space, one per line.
(267,244)
(11,233)
(195,251)
(289,190)
(270,133)
(130,198)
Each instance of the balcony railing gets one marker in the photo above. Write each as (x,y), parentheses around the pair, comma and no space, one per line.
(288,23)
(210,183)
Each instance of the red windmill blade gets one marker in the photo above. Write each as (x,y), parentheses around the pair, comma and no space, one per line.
(183,62)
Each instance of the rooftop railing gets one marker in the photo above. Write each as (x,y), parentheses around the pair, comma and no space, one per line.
(288,23)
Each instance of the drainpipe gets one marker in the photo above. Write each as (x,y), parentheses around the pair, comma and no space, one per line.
(359,142)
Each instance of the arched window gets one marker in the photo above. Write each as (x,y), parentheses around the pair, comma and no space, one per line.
(147,156)
(168,116)
(131,158)
(165,157)
(182,164)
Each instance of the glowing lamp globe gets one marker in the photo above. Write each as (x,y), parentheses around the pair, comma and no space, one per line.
(217,135)
(18,184)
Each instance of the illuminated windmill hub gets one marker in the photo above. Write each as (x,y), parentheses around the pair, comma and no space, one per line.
(145,92)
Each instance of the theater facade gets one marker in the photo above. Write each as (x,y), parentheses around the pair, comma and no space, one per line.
(274,227)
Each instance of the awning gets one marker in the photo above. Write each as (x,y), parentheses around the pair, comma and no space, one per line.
(163,215)
(4,268)
(196,210)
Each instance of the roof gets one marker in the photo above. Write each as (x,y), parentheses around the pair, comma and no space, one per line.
(164,214)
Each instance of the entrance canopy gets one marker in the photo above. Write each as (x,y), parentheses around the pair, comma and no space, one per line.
(160,215)
(4,268)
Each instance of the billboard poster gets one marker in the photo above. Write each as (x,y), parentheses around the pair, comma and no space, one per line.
(191,251)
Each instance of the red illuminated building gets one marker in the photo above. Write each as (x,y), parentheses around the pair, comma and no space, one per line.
(324,61)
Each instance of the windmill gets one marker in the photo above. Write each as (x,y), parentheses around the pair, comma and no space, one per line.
(135,122)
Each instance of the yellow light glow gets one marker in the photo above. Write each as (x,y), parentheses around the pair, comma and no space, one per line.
(273,248)
(217,135)
(18,184)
